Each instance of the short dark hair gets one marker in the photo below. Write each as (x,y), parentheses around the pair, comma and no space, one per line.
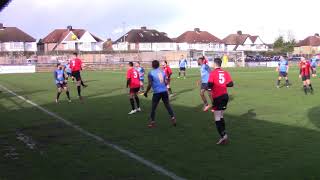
(201,58)
(130,64)
(217,61)
(138,62)
(165,62)
(58,64)
(75,53)
(155,64)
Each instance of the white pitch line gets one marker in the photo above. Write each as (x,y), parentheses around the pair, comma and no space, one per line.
(100,139)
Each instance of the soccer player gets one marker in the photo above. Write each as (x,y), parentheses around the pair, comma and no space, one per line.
(168,72)
(68,71)
(182,66)
(76,67)
(205,72)
(61,83)
(133,82)
(283,69)
(141,71)
(305,68)
(158,81)
(314,64)
(218,82)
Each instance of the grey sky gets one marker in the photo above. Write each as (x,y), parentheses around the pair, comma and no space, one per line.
(105,18)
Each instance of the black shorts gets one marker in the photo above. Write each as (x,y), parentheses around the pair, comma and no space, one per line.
(283,74)
(69,74)
(61,85)
(134,90)
(306,77)
(182,69)
(76,74)
(204,86)
(220,103)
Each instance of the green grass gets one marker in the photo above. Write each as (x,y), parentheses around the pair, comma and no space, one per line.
(274,132)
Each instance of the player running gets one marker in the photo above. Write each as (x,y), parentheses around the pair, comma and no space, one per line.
(205,72)
(133,82)
(61,82)
(314,64)
(168,72)
(183,66)
(76,67)
(141,71)
(283,69)
(158,81)
(305,68)
(218,82)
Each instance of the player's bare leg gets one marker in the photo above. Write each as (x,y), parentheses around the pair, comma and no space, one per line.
(279,80)
(206,106)
(309,85)
(67,92)
(58,94)
(287,82)
(79,89)
(220,124)
(133,108)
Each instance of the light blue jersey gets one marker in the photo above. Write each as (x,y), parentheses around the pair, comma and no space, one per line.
(67,68)
(157,78)
(314,62)
(205,72)
(141,73)
(283,64)
(59,76)
(183,63)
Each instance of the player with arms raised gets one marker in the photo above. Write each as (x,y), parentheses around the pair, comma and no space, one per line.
(158,82)
(205,72)
(133,82)
(61,83)
(305,69)
(219,81)
(283,69)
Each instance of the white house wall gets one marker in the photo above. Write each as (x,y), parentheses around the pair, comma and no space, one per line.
(87,37)
(164,46)
(201,47)
(30,46)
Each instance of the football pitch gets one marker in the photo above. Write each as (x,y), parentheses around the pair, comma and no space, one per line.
(274,133)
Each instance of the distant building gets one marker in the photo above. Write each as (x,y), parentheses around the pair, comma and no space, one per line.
(14,39)
(70,40)
(310,45)
(244,42)
(144,40)
(107,45)
(199,40)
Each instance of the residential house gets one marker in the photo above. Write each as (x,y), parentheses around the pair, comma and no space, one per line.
(199,40)
(12,39)
(310,45)
(70,39)
(244,42)
(144,40)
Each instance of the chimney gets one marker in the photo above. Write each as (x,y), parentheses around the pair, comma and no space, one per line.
(69,27)
(109,39)
(239,32)
(197,29)
(144,28)
(316,34)
(1,26)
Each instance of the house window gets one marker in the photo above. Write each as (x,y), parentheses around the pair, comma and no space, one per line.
(86,45)
(16,45)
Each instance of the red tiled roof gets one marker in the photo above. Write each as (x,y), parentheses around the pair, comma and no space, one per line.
(58,35)
(235,39)
(197,36)
(144,35)
(13,34)
(310,41)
